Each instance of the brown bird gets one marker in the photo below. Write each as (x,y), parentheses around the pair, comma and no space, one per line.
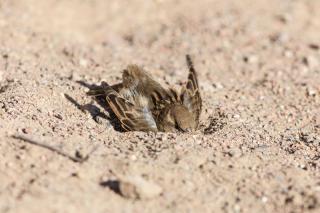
(142,104)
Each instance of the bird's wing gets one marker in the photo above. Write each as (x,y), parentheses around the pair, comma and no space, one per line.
(190,94)
(136,79)
(131,117)
(100,90)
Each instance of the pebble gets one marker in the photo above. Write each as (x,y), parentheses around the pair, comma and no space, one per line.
(264,199)
(237,208)
(285,18)
(251,59)
(136,187)
(314,46)
(26,130)
(133,157)
(236,116)
(311,92)
(311,61)
(280,37)
(83,62)
(235,152)
(288,54)
(217,85)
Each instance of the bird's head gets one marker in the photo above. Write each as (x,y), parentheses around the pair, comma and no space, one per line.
(178,118)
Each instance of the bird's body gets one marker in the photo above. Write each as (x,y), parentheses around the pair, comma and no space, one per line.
(142,104)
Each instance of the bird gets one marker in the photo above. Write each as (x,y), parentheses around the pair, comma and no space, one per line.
(140,103)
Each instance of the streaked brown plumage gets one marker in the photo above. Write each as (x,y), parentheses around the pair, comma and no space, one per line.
(142,104)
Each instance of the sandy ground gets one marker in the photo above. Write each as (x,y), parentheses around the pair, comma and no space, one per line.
(258,147)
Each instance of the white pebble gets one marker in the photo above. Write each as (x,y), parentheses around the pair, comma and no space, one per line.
(136,187)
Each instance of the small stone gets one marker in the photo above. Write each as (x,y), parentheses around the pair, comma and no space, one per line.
(26,130)
(264,199)
(83,62)
(235,152)
(236,116)
(237,208)
(302,166)
(314,46)
(311,61)
(284,18)
(280,38)
(217,85)
(5,56)
(251,59)
(136,187)
(311,92)
(133,158)
(288,54)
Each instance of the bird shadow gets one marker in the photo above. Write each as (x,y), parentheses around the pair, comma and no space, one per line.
(100,99)
(113,185)
(92,109)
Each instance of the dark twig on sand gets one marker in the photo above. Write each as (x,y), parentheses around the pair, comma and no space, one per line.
(78,158)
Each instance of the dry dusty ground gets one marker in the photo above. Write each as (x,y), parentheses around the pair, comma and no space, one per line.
(259,68)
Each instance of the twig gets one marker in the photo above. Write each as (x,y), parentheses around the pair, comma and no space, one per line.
(78,158)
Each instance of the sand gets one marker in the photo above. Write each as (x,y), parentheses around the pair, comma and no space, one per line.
(258,146)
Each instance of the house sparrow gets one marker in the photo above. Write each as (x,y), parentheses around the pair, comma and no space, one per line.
(142,104)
